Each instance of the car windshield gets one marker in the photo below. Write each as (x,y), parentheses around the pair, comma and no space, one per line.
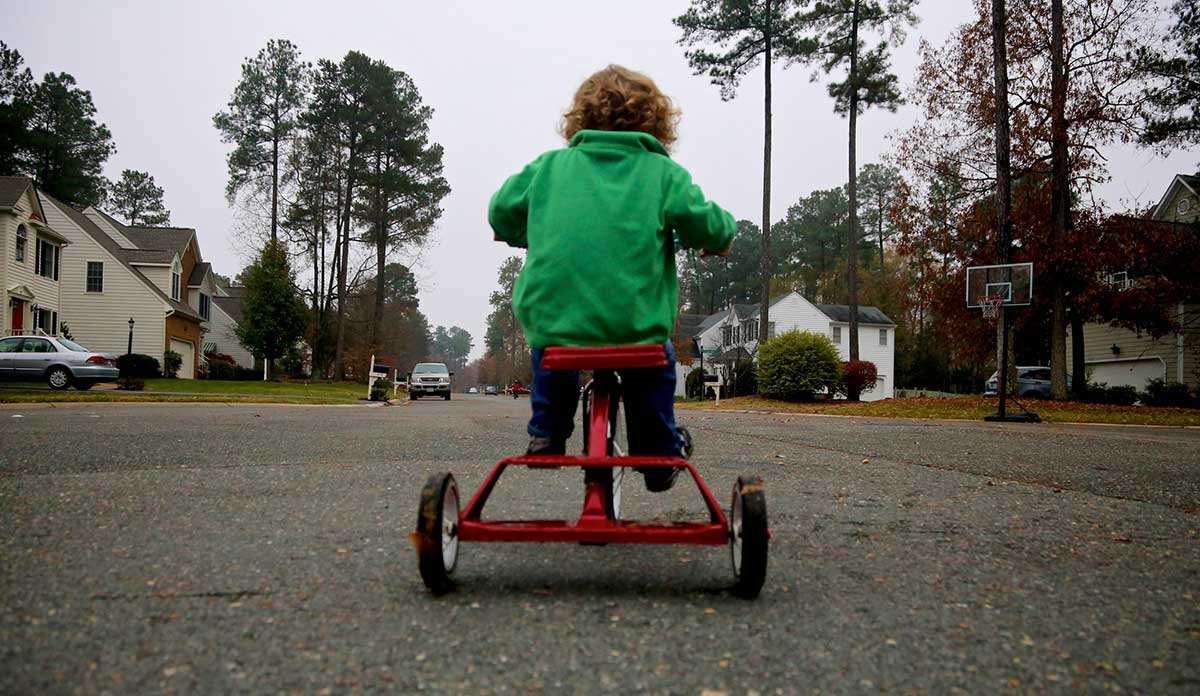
(429,368)
(72,345)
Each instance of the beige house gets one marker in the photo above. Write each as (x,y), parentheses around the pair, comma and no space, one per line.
(227,314)
(153,276)
(1117,356)
(30,261)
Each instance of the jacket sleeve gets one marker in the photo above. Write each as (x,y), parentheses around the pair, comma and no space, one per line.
(508,211)
(698,223)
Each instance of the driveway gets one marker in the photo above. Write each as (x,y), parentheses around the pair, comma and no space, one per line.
(221,548)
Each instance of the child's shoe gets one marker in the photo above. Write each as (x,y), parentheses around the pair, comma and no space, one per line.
(545,445)
(659,479)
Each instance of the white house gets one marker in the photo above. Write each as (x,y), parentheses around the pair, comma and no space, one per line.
(31,257)
(734,333)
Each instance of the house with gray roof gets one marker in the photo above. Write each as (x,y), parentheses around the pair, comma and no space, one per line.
(153,276)
(31,255)
(731,335)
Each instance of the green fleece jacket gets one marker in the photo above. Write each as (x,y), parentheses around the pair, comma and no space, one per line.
(600,219)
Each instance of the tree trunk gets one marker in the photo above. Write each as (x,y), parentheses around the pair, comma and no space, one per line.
(881,235)
(275,188)
(852,219)
(1060,200)
(380,256)
(1078,368)
(339,356)
(1003,179)
(764,261)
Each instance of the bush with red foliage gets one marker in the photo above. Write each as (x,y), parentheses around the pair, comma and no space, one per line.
(221,357)
(858,376)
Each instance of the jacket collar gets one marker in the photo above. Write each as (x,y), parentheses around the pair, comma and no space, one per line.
(624,139)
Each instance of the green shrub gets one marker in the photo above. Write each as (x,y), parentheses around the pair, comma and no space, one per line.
(797,365)
(693,386)
(380,389)
(138,365)
(858,376)
(172,361)
(1160,392)
(1103,394)
(246,374)
(220,370)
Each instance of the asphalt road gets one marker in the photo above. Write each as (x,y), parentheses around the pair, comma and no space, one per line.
(179,548)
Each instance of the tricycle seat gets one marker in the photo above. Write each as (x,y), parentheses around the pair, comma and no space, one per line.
(604,357)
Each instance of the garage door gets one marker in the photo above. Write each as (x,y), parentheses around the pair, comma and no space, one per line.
(185,349)
(1133,373)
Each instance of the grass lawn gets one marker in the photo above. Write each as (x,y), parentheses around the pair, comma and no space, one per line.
(198,390)
(964,408)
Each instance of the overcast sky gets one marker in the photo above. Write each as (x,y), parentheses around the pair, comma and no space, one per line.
(498,74)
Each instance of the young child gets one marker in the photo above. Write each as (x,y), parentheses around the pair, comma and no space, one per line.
(600,219)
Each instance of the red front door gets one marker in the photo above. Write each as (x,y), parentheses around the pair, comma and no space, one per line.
(18,316)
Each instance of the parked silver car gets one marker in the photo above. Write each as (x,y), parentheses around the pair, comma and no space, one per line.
(1033,382)
(58,361)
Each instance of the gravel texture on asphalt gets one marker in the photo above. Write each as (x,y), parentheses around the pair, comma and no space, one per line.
(215,548)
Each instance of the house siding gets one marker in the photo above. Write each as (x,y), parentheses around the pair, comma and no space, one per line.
(123,242)
(46,291)
(1099,339)
(159,275)
(222,334)
(100,321)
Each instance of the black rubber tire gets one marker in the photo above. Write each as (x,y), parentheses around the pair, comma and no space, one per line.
(750,571)
(430,540)
(84,386)
(414,396)
(55,372)
(446,396)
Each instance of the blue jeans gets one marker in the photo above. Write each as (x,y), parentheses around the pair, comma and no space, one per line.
(648,394)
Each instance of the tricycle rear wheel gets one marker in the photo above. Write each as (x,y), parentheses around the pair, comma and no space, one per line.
(436,536)
(748,536)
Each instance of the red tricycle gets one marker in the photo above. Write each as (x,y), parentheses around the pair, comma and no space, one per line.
(441,525)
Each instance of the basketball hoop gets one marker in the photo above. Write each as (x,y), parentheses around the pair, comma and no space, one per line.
(991,304)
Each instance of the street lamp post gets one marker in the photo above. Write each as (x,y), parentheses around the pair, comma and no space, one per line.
(129,349)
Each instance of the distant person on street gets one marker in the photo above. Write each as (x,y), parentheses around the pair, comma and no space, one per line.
(601,219)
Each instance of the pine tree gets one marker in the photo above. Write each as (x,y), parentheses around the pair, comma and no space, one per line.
(837,29)
(66,148)
(760,31)
(138,200)
(273,314)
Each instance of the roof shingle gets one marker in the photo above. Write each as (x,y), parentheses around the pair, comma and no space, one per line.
(11,189)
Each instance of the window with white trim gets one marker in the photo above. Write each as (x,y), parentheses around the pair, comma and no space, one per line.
(883,337)
(95,276)
(204,306)
(175,281)
(837,335)
(22,240)
(46,260)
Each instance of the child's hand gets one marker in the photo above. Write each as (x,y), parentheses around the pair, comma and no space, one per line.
(708,252)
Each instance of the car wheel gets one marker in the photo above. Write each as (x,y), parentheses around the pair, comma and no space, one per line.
(84,386)
(58,377)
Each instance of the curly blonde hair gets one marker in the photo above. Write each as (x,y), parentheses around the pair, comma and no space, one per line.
(619,99)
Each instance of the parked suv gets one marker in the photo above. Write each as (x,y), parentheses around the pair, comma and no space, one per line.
(1032,382)
(58,361)
(429,379)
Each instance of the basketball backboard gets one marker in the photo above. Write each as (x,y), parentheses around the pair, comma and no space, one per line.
(1011,281)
